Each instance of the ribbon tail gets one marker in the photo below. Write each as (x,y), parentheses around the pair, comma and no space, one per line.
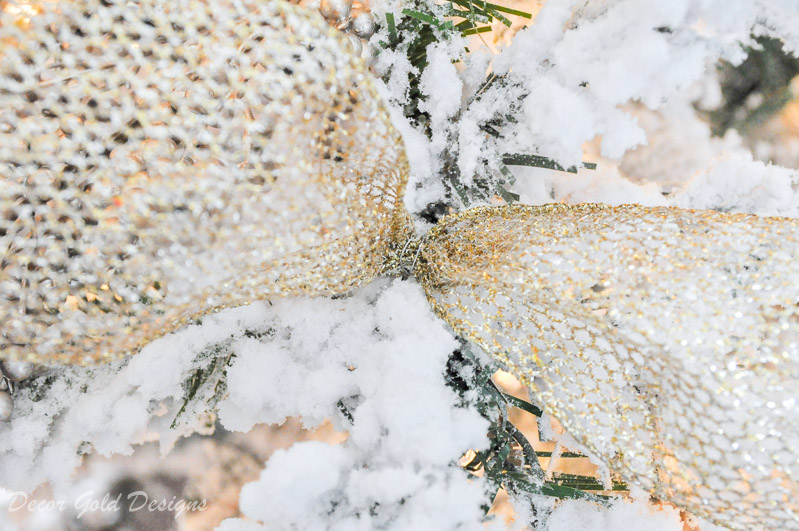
(663,340)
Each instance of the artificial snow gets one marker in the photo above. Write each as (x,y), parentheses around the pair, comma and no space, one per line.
(380,354)
(578,515)
(581,72)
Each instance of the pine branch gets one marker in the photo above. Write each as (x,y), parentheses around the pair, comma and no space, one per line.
(511,462)
(411,32)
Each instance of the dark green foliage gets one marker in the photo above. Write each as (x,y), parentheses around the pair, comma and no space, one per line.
(510,462)
(763,78)
(207,384)
(537,161)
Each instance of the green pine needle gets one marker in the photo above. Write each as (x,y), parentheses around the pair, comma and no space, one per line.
(510,11)
(523,405)
(537,161)
(392,29)
(430,19)
(474,31)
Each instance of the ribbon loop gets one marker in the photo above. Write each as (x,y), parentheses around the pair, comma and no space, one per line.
(164,160)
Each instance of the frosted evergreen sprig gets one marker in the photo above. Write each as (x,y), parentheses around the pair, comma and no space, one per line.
(411,32)
(511,462)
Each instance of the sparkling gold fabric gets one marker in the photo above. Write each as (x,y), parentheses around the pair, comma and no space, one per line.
(164,159)
(665,340)
(161,160)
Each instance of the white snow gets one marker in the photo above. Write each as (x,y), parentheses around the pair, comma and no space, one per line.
(390,355)
(381,352)
(577,515)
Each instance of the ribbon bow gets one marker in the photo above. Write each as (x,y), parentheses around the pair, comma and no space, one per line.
(165,160)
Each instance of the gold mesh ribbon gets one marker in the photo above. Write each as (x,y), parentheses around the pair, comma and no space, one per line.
(163,160)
